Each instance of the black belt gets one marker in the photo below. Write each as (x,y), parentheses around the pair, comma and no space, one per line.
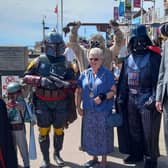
(137,91)
(50,93)
(18,126)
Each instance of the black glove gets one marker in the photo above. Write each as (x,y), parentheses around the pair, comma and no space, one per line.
(47,83)
(59,83)
(114,25)
(102,96)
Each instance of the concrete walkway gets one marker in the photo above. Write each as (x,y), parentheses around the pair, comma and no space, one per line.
(75,158)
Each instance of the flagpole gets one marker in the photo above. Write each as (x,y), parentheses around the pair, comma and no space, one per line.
(153,14)
(62,17)
(132,11)
(57,23)
(43,24)
(141,11)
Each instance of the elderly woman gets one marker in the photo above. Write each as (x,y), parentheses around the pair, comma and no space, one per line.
(96,88)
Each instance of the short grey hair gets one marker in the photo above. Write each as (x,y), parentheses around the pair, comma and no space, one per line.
(96,51)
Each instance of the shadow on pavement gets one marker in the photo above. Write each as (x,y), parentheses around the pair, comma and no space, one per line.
(163,161)
(117,154)
(110,165)
(68,165)
(117,165)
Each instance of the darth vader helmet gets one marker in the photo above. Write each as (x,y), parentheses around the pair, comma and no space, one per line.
(139,39)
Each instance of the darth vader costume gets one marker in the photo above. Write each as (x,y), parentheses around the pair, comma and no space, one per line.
(139,134)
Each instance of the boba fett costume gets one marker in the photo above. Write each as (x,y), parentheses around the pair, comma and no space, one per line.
(17,115)
(54,101)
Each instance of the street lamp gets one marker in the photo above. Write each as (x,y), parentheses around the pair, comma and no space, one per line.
(44,28)
(141,11)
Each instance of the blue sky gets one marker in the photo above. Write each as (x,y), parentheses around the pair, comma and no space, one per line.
(21,20)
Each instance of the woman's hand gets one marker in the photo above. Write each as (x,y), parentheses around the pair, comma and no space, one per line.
(97,100)
(158,106)
(80,111)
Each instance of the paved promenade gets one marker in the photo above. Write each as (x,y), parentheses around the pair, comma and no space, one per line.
(75,158)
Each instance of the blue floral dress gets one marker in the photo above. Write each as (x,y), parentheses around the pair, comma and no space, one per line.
(97,137)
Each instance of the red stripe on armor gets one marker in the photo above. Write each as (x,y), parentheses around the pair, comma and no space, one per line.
(51,98)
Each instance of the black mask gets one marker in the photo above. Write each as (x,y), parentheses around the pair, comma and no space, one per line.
(94,44)
(139,44)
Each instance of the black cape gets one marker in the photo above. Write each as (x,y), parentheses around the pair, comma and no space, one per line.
(6,141)
(121,106)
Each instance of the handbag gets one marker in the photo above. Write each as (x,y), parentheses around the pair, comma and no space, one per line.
(150,103)
(114,120)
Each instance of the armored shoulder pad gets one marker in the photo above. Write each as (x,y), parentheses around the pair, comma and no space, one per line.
(32,63)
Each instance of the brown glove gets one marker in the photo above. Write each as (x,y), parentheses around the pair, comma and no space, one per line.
(76,26)
(33,80)
(114,25)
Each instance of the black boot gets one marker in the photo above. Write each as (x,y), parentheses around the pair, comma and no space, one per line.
(59,160)
(131,159)
(44,146)
(150,163)
(45,164)
(58,143)
(154,163)
(147,163)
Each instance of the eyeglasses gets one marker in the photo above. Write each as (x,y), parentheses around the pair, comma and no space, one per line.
(93,59)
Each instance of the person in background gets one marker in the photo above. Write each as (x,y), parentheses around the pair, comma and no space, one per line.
(83,42)
(123,51)
(96,88)
(72,61)
(162,84)
(18,114)
(8,158)
(110,42)
(136,93)
(69,54)
(54,82)
(116,69)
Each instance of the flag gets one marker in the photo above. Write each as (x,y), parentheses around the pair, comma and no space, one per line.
(121,8)
(128,6)
(56,9)
(137,3)
(116,13)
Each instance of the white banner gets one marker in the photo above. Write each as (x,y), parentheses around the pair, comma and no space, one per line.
(5,81)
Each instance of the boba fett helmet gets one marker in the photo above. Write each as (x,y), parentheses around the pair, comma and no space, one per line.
(13,87)
(54,44)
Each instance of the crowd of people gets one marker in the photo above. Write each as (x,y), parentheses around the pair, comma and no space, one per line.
(90,81)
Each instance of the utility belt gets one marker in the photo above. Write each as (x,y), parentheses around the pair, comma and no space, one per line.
(140,90)
(17,126)
(45,94)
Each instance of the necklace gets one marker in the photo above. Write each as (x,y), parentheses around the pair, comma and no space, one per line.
(92,85)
